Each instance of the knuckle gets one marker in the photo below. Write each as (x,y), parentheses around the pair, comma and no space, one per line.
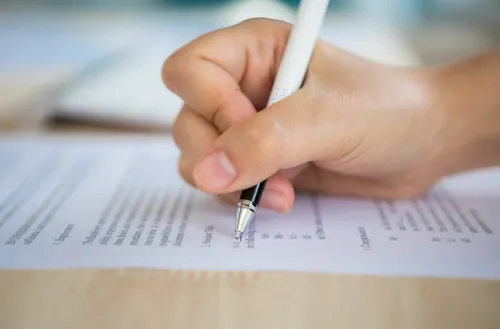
(254,21)
(218,120)
(170,72)
(220,117)
(185,170)
(178,128)
(176,67)
(264,144)
(262,22)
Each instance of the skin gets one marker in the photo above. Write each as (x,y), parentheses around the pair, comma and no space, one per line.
(356,128)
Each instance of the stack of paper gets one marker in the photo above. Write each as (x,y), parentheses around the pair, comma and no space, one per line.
(119,202)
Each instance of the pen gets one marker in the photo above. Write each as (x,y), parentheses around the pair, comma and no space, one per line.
(289,79)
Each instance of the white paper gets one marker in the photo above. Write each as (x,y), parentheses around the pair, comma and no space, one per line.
(119,202)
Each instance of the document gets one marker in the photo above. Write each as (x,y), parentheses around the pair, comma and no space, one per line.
(118,201)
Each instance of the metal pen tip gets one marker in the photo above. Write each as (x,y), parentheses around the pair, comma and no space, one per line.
(237,235)
(244,216)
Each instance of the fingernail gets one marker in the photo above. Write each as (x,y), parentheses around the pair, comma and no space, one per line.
(215,171)
(274,200)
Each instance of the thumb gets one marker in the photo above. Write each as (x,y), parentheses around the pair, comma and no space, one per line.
(282,136)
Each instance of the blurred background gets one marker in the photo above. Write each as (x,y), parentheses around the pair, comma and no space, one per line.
(98,61)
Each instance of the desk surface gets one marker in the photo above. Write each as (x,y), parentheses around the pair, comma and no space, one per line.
(125,298)
(167,299)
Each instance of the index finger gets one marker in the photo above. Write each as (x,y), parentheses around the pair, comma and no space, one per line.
(227,75)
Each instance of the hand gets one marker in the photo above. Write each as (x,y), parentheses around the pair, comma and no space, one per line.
(356,128)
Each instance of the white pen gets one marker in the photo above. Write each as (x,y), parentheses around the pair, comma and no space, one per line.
(290,76)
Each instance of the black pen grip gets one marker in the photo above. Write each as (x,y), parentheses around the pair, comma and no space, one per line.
(254,193)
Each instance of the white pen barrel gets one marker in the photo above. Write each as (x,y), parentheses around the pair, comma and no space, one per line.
(299,49)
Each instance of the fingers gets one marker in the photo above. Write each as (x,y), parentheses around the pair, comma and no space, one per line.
(194,135)
(285,135)
(279,195)
(226,74)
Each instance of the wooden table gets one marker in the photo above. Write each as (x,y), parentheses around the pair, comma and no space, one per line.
(169,299)
(133,298)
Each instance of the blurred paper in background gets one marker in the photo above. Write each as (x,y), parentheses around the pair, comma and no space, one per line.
(101,59)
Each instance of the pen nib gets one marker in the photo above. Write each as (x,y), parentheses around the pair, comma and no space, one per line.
(243,217)
(237,235)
